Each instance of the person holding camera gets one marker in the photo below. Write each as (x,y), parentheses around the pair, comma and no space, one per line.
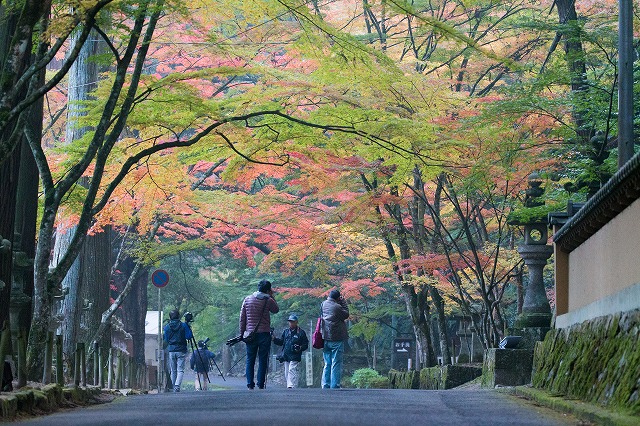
(176,334)
(255,329)
(294,341)
(201,363)
(334,332)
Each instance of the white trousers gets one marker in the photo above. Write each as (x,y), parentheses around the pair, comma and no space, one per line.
(291,373)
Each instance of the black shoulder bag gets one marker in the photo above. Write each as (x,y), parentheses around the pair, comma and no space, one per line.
(251,337)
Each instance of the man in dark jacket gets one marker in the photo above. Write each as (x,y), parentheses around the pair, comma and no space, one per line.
(334,332)
(176,334)
(201,364)
(294,341)
(255,317)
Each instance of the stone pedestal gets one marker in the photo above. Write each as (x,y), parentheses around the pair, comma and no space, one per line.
(507,367)
(531,335)
(536,311)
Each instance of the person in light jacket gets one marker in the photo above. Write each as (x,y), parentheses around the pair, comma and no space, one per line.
(255,317)
(334,332)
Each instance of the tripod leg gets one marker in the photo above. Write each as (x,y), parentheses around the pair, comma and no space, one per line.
(216,364)
(268,365)
(192,354)
(236,363)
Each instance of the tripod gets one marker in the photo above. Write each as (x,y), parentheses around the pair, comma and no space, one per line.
(192,342)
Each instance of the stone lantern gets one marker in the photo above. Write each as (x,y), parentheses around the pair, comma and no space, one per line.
(535,252)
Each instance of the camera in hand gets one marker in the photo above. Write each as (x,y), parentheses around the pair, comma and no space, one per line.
(188,317)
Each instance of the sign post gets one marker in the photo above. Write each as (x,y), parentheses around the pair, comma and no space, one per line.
(160,278)
(402,349)
(308,357)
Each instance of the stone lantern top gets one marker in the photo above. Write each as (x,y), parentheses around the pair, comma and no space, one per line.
(534,191)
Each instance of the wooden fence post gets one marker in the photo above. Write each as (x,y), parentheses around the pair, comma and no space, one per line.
(59,361)
(22,358)
(5,342)
(48,359)
(110,370)
(76,366)
(96,364)
(100,367)
(132,374)
(119,370)
(83,364)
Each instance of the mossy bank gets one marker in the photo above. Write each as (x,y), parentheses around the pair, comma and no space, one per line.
(596,361)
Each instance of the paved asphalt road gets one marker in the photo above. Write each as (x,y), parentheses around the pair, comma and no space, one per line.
(307,407)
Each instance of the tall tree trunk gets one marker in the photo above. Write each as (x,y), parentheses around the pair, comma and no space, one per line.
(13,63)
(415,301)
(422,241)
(83,77)
(134,309)
(419,312)
(94,292)
(108,129)
(8,187)
(443,337)
(27,209)
(575,58)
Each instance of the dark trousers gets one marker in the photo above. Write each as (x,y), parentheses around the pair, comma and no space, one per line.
(260,349)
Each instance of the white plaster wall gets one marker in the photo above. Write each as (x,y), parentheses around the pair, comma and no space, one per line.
(608,262)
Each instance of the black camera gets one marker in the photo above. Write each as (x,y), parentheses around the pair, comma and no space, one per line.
(188,317)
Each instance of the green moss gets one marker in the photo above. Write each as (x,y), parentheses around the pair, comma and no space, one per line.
(526,215)
(433,378)
(589,412)
(8,406)
(25,400)
(404,379)
(596,361)
(54,393)
(41,400)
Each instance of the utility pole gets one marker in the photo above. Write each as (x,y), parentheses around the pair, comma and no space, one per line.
(625,82)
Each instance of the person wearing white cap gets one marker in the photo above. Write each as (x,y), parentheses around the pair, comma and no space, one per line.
(294,341)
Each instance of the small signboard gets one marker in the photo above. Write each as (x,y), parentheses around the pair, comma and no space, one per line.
(402,346)
(160,278)
(308,358)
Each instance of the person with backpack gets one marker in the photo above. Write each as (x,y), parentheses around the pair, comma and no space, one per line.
(176,335)
(201,364)
(294,341)
(255,329)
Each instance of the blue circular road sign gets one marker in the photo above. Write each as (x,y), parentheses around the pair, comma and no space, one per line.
(160,278)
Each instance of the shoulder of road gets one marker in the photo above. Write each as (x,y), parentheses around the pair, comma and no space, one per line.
(589,412)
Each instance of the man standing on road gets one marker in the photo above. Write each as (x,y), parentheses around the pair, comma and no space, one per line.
(176,334)
(334,333)
(255,327)
(294,341)
(201,364)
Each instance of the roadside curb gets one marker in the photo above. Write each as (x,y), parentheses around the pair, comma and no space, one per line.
(580,409)
(47,399)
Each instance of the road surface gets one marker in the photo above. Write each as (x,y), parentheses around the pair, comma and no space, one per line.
(307,407)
